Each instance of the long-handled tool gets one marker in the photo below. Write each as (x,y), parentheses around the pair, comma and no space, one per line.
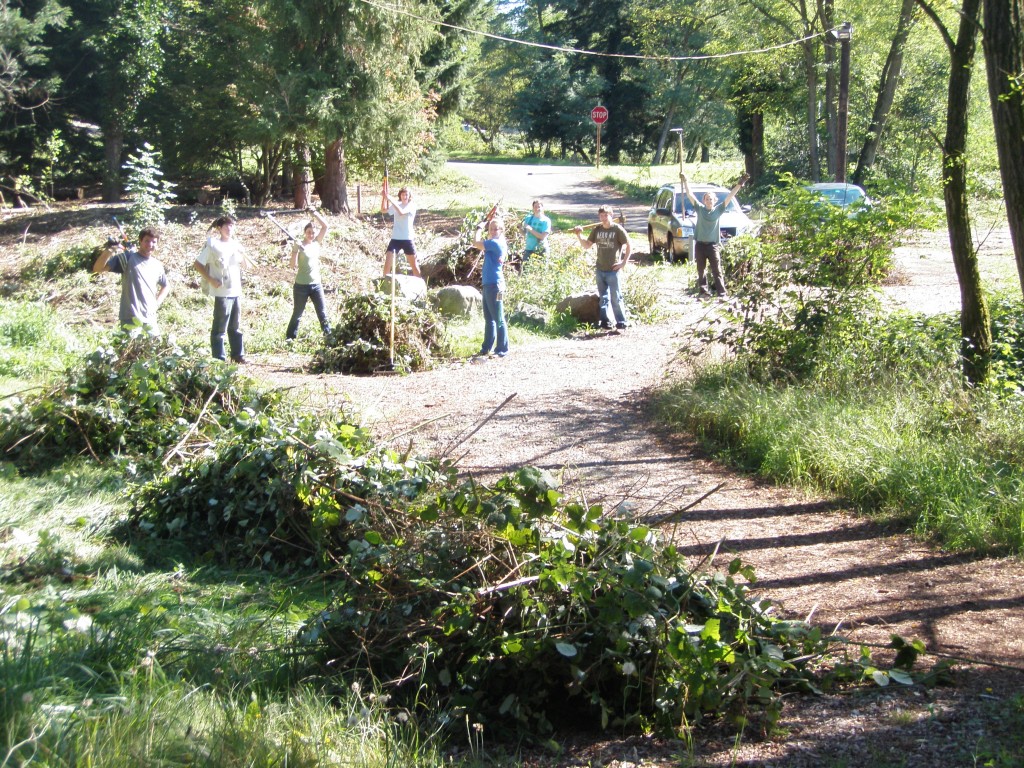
(269,215)
(120,230)
(679,133)
(620,220)
(487,220)
(391,321)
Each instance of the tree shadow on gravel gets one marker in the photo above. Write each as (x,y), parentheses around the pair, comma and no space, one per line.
(977,719)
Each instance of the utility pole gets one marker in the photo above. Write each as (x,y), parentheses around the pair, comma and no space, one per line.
(844,34)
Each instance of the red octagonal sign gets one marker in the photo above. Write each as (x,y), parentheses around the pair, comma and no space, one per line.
(599,115)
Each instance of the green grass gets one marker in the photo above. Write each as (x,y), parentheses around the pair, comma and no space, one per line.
(114,655)
(954,473)
(34,342)
(641,182)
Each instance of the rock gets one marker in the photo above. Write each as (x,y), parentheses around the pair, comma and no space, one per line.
(528,314)
(457,300)
(410,287)
(584,307)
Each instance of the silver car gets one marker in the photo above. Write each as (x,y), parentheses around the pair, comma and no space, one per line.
(671,219)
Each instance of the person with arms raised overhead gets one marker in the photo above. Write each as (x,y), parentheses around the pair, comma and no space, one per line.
(707,236)
(403,212)
(306,263)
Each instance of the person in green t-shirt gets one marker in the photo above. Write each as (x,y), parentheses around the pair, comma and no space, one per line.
(707,236)
(306,263)
(613,251)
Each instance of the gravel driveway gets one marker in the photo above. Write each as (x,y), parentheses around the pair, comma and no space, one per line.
(567,190)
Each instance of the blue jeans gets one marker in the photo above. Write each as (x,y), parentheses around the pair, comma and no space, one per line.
(494,320)
(608,283)
(227,312)
(300,294)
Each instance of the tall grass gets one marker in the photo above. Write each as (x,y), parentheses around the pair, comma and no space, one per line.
(180,668)
(33,340)
(153,720)
(945,462)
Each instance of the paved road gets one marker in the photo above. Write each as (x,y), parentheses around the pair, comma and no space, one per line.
(566,190)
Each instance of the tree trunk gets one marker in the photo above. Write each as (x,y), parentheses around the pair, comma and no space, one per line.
(659,152)
(334,190)
(886,93)
(113,145)
(751,124)
(975,323)
(1003,36)
(302,177)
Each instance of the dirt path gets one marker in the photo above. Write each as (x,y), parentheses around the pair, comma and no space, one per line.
(577,406)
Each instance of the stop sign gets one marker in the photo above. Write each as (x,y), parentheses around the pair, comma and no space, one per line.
(599,115)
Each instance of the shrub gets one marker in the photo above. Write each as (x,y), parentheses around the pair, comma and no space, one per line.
(803,287)
(643,295)
(361,339)
(138,396)
(547,280)
(1007,344)
(150,193)
(68,261)
(277,490)
(817,244)
(500,606)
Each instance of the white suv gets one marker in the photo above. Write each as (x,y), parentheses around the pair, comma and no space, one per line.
(671,219)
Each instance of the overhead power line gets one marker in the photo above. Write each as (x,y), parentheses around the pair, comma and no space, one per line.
(583,51)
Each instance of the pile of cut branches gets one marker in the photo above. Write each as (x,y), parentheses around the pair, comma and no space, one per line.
(361,340)
(137,396)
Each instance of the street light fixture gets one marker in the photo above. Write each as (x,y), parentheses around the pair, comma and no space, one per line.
(843,32)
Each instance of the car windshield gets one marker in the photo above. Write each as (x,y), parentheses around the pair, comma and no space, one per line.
(840,196)
(734,207)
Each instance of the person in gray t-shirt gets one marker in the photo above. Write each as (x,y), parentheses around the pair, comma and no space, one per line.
(144,284)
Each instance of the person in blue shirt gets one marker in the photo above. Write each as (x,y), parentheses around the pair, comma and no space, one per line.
(495,250)
(536,227)
(707,236)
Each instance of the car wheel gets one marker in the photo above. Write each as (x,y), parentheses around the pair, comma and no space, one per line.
(670,248)
(651,245)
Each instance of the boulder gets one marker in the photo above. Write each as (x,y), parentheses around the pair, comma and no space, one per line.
(457,300)
(409,287)
(528,314)
(583,307)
